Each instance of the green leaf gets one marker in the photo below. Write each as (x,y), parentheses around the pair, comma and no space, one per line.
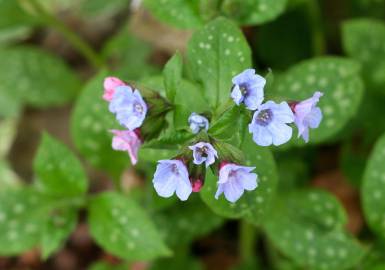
(338,78)
(372,190)
(251,12)
(22,214)
(59,172)
(363,40)
(90,125)
(27,76)
(216,53)
(129,56)
(178,13)
(169,140)
(224,127)
(172,76)
(180,117)
(182,98)
(122,228)
(181,224)
(56,231)
(253,205)
(308,227)
(11,14)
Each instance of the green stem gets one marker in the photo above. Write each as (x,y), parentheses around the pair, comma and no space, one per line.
(75,40)
(315,21)
(247,241)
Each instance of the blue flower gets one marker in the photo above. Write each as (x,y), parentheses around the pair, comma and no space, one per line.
(269,124)
(248,89)
(307,115)
(198,122)
(234,180)
(172,176)
(129,107)
(203,152)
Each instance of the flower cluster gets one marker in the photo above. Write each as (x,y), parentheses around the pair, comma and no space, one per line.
(130,110)
(185,173)
(270,120)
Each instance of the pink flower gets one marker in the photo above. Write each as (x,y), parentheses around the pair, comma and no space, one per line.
(110,83)
(127,140)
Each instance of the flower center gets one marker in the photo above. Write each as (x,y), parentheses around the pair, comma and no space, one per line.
(264,117)
(203,151)
(243,89)
(174,169)
(138,107)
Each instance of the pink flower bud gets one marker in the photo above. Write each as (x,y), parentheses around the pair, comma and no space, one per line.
(197,185)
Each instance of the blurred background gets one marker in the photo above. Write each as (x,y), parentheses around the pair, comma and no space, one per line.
(49,49)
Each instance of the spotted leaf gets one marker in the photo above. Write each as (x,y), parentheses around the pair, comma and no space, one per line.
(27,77)
(251,12)
(90,125)
(59,172)
(217,53)
(181,224)
(373,188)
(22,212)
(363,40)
(122,228)
(178,13)
(308,227)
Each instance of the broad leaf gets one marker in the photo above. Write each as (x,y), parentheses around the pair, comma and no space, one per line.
(178,13)
(22,213)
(172,76)
(252,12)
(11,14)
(308,227)
(56,230)
(373,187)
(181,224)
(59,172)
(129,56)
(217,53)
(122,228)
(338,79)
(90,125)
(253,205)
(27,76)
(364,39)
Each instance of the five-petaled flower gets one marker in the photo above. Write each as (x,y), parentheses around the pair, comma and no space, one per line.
(172,176)
(198,122)
(307,115)
(248,89)
(127,140)
(203,152)
(234,180)
(110,84)
(269,124)
(129,107)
